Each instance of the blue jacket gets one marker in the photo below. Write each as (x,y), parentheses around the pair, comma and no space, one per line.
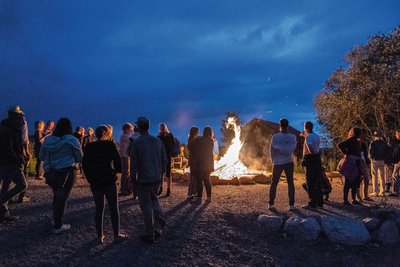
(60,152)
(148,159)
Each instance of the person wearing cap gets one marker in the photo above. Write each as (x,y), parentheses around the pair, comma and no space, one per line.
(101,163)
(12,159)
(378,150)
(283,145)
(148,164)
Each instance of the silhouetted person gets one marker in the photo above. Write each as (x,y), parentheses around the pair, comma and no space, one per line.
(377,153)
(148,164)
(312,162)
(124,143)
(193,134)
(203,162)
(101,163)
(282,147)
(168,140)
(12,160)
(38,137)
(60,153)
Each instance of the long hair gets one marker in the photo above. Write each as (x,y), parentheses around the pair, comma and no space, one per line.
(63,127)
(355,132)
(192,133)
(164,127)
(207,131)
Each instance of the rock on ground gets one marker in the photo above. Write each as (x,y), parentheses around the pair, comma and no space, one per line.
(344,231)
(303,229)
(270,223)
(262,179)
(388,233)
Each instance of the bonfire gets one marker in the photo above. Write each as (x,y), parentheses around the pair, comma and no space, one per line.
(230,166)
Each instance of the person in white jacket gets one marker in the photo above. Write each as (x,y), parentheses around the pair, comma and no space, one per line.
(282,147)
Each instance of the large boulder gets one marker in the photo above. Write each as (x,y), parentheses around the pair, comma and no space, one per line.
(271,223)
(387,234)
(371,223)
(303,229)
(216,181)
(234,181)
(344,231)
(262,179)
(246,180)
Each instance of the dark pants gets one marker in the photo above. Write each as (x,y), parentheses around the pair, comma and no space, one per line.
(314,179)
(15,174)
(38,167)
(126,185)
(99,194)
(354,185)
(192,185)
(276,175)
(148,202)
(203,178)
(60,196)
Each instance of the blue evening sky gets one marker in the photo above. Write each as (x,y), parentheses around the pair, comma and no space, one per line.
(181,62)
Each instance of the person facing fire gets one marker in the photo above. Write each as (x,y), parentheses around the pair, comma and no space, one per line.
(283,144)
(313,165)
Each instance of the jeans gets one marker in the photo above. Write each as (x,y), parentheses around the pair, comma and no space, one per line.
(151,210)
(15,174)
(38,167)
(110,193)
(192,185)
(202,178)
(276,174)
(126,186)
(60,196)
(378,170)
(314,177)
(354,185)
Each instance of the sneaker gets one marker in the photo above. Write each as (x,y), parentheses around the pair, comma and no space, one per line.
(292,208)
(309,207)
(24,199)
(381,194)
(120,238)
(368,199)
(355,202)
(374,194)
(271,207)
(63,228)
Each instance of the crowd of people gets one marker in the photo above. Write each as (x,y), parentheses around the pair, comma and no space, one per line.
(144,161)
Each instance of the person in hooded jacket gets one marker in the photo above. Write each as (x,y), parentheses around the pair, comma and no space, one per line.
(98,159)
(60,153)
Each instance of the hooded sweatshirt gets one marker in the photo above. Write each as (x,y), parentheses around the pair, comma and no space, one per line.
(60,152)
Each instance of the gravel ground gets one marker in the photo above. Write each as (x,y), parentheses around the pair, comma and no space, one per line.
(224,232)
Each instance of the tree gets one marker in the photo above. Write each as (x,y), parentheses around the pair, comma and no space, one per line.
(228,133)
(365,93)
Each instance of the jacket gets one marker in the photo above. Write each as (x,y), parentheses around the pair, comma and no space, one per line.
(351,147)
(148,159)
(378,150)
(169,141)
(202,155)
(11,147)
(60,152)
(98,160)
(282,148)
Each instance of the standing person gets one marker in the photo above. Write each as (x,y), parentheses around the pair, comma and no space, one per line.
(39,139)
(60,152)
(396,169)
(216,148)
(193,134)
(365,171)
(124,144)
(110,132)
(389,166)
(80,134)
(352,149)
(203,162)
(377,153)
(148,164)
(282,147)
(312,162)
(98,158)
(90,137)
(12,160)
(49,128)
(168,140)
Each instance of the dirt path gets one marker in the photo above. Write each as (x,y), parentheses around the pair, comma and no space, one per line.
(224,232)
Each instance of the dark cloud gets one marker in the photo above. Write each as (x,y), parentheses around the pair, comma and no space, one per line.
(181,62)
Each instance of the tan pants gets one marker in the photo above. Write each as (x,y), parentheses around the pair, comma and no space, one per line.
(378,170)
(388,174)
